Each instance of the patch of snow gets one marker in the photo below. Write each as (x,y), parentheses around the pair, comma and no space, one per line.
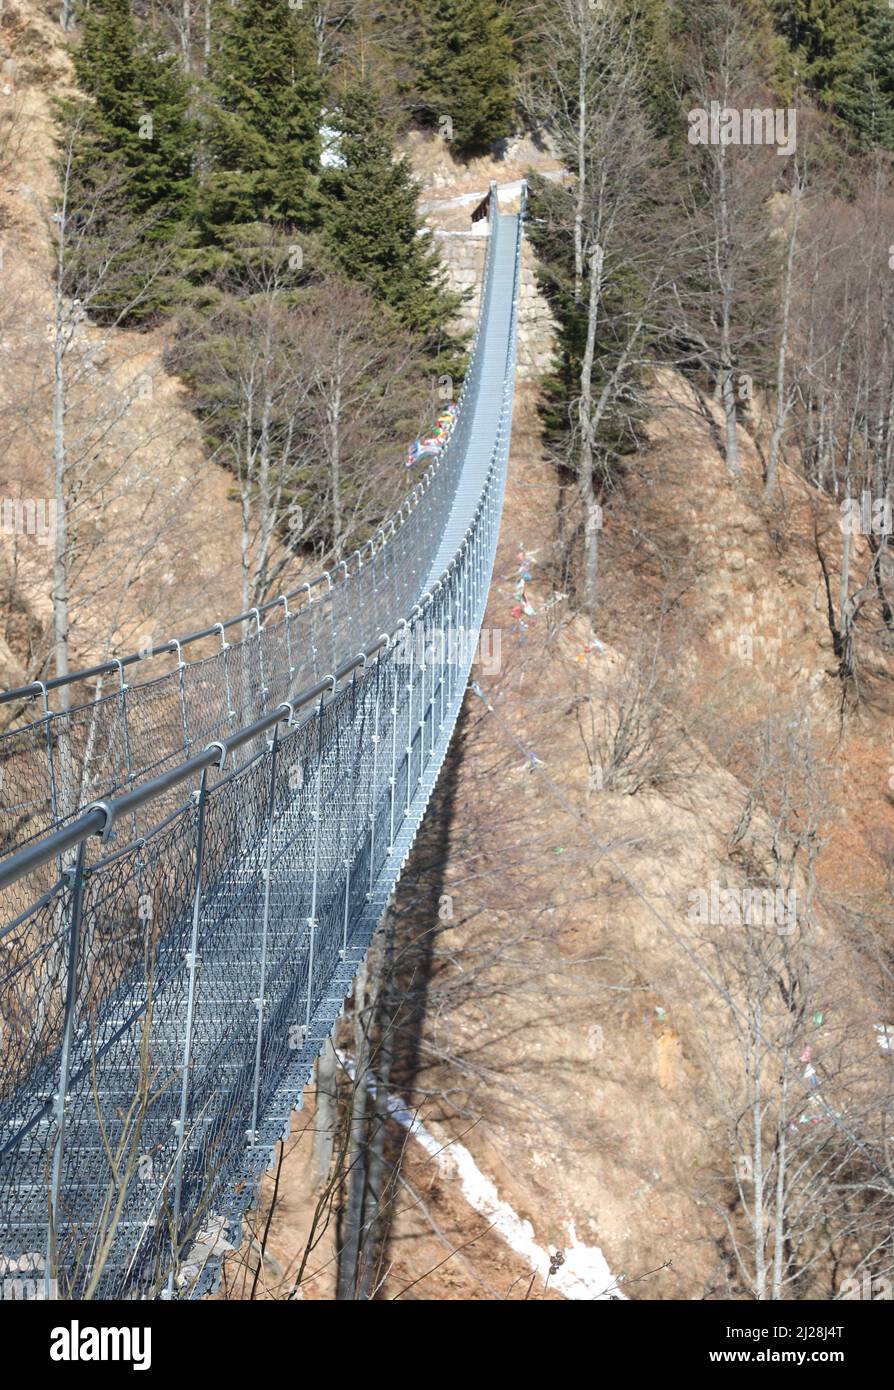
(330,158)
(508,190)
(583,1275)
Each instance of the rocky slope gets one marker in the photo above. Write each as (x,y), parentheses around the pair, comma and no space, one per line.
(572,1039)
(169,530)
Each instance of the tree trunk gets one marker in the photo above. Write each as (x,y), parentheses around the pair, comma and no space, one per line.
(346,1289)
(727,383)
(581,189)
(326,1112)
(266,510)
(387,1010)
(186,33)
(335,468)
(760,1259)
(728,393)
(60,547)
(782,404)
(586,457)
(245,545)
(67,792)
(781,1188)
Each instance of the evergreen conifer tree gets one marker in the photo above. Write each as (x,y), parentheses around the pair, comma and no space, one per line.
(651,30)
(139,115)
(843,51)
(467,70)
(867,99)
(827,39)
(263,119)
(373,229)
(127,165)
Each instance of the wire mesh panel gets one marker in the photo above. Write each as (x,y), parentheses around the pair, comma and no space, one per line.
(153,708)
(164,990)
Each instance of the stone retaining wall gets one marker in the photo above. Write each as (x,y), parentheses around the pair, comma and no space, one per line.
(463,255)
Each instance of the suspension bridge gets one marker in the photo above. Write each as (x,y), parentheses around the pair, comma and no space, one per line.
(200,839)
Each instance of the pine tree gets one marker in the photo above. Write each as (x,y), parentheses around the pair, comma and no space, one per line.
(867,99)
(881,49)
(263,119)
(827,39)
(373,229)
(139,115)
(866,109)
(127,151)
(467,71)
(843,51)
(650,26)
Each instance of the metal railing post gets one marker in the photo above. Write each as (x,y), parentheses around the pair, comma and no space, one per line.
(481,555)
(48,715)
(346,609)
(131,776)
(405,587)
(412,631)
(438,690)
(478,564)
(373,791)
(330,591)
(123,688)
(423,665)
(181,682)
(313,633)
(225,652)
(392,780)
(392,551)
(348,858)
(447,667)
(288,622)
(257,617)
(375,562)
(192,965)
(76,876)
(312,919)
(261,1001)
(467,604)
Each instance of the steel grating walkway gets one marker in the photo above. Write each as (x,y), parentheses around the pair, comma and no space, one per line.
(496,327)
(176,955)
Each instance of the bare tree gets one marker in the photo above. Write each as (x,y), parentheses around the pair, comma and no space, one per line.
(588,91)
(79,399)
(365,386)
(785,392)
(304,397)
(246,386)
(798,1087)
(843,373)
(724,289)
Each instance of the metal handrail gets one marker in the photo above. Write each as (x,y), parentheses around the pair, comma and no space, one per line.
(176,644)
(263,894)
(100,817)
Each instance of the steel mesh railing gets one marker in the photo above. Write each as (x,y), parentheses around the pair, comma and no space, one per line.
(179,952)
(202,686)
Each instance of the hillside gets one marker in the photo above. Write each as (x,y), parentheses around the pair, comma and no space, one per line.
(173,545)
(570,1038)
